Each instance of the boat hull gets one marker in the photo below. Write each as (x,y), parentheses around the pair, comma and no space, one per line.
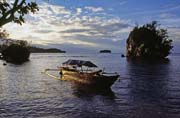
(96,80)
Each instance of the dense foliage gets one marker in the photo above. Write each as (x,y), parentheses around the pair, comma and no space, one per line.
(148,41)
(15,10)
(16,54)
(14,51)
(3,34)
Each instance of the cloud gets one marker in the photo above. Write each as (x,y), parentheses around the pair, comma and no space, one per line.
(52,9)
(94,9)
(166,15)
(75,31)
(154,11)
(123,2)
(57,25)
(78,10)
(174,33)
(45,31)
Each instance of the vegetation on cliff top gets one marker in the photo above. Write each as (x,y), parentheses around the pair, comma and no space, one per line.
(148,41)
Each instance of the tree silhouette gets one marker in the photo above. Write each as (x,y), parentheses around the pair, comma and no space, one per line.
(15,11)
(3,34)
(149,41)
(16,54)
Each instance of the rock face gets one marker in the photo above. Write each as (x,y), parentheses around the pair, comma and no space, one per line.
(148,42)
(16,54)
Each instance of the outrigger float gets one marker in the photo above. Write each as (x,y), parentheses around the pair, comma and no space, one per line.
(85,72)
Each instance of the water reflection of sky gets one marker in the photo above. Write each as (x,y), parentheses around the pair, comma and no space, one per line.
(143,90)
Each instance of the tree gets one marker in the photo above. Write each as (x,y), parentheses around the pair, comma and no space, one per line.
(15,11)
(16,54)
(148,41)
(3,34)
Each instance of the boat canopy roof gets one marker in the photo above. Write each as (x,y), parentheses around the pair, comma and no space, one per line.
(79,63)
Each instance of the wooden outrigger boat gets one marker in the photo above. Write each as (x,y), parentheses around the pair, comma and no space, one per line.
(72,70)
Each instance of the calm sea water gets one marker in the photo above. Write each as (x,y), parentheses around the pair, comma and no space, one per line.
(144,90)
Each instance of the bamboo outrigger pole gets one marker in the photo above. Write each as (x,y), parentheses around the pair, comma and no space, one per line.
(50,75)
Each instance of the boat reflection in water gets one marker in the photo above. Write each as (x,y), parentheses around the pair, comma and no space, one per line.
(81,90)
(85,72)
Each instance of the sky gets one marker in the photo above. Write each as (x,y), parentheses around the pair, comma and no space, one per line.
(93,25)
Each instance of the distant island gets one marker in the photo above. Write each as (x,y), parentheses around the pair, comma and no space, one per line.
(18,51)
(105,51)
(33,49)
(42,50)
(4,43)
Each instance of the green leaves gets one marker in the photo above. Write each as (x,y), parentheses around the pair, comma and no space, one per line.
(3,7)
(3,33)
(33,7)
(19,20)
(15,12)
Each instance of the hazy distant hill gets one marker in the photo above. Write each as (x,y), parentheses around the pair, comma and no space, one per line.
(5,42)
(41,50)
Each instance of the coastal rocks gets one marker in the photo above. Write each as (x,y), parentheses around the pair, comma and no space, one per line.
(148,42)
(16,54)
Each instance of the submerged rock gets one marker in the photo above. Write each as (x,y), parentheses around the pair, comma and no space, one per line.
(16,54)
